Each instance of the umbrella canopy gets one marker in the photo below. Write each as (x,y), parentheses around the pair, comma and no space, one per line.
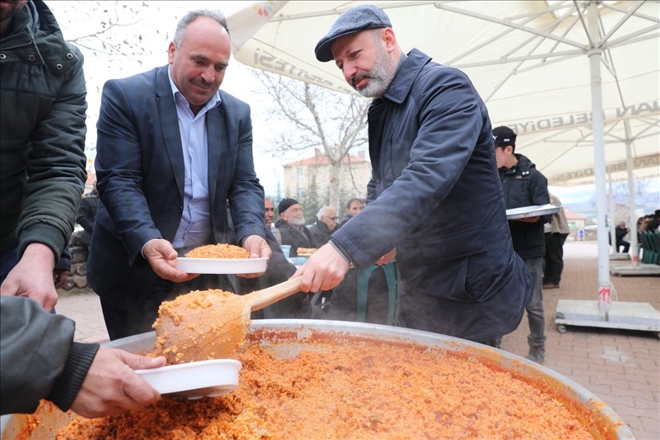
(528,60)
(579,81)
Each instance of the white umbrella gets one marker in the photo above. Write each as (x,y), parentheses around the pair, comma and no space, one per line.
(578,80)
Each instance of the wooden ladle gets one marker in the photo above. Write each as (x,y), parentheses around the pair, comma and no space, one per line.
(211,324)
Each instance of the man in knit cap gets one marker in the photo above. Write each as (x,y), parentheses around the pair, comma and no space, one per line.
(292,226)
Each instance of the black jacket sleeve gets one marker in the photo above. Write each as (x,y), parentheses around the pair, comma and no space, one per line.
(87,213)
(65,260)
(38,358)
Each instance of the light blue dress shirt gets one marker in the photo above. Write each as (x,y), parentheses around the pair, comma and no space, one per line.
(195,226)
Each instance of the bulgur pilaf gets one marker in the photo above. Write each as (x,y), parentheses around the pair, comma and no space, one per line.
(218,251)
(357,390)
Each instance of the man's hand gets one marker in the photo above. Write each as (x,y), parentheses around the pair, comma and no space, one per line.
(388,257)
(32,277)
(258,248)
(59,277)
(323,271)
(162,257)
(112,387)
(528,219)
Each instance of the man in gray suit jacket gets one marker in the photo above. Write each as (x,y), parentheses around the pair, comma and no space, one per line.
(175,171)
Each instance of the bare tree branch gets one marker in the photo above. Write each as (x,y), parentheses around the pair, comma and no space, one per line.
(316,118)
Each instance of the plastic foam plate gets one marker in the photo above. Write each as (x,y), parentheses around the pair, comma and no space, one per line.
(194,380)
(222,265)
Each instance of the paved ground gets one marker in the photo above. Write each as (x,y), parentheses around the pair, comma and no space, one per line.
(621,367)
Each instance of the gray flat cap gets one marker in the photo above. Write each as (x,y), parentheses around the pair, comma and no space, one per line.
(357,19)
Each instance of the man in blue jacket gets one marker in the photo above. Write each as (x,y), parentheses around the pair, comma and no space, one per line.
(524,185)
(434,199)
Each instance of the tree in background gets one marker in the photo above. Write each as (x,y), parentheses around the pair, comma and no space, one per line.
(119,39)
(115,43)
(312,202)
(645,200)
(305,116)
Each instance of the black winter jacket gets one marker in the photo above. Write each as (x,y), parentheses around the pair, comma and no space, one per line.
(294,237)
(321,233)
(42,131)
(524,185)
(87,215)
(38,357)
(436,197)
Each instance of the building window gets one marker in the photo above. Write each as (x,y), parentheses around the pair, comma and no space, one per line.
(299,173)
(301,193)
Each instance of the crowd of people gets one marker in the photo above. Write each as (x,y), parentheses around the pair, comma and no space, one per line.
(175,171)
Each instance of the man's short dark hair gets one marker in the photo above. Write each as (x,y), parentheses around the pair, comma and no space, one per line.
(354,199)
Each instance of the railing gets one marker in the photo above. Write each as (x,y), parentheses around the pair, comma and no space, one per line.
(649,246)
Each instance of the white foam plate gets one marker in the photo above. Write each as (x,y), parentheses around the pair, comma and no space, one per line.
(222,265)
(194,380)
(531,211)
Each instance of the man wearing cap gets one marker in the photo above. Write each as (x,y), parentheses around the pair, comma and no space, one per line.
(434,199)
(292,226)
(524,185)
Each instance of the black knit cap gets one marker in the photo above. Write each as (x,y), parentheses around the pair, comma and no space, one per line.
(286,204)
(503,136)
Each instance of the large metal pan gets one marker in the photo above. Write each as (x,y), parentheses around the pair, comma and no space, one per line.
(286,337)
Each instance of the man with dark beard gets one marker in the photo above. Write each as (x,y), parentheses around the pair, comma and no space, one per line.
(435,199)
(292,226)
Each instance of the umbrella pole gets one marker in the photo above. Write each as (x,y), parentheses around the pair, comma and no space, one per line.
(632,225)
(604,286)
(612,216)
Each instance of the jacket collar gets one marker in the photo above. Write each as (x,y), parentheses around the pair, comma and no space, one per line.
(36,32)
(405,77)
(322,226)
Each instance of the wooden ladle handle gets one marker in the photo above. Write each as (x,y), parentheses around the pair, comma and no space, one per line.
(263,298)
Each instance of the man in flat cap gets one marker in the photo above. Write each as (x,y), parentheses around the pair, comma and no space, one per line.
(434,199)
(292,226)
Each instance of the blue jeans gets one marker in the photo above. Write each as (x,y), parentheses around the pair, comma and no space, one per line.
(534,309)
(8,260)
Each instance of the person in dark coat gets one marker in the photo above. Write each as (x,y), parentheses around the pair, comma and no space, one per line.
(292,226)
(524,185)
(42,132)
(296,306)
(326,222)
(556,232)
(353,207)
(86,217)
(434,199)
(620,232)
